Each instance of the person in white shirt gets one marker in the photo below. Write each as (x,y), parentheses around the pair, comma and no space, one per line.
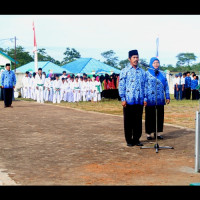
(89,90)
(30,85)
(76,90)
(63,75)
(183,85)
(92,88)
(47,89)
(192,74)
(67,90)
(62,89)
(51,91)
(26,84)
(97,90)
(175,81)
(179,87)
(84,89)
(81,85)
(71,88)
(56,87)
(40,79)
(33,87)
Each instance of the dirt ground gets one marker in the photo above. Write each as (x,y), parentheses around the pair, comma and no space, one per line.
(45,144)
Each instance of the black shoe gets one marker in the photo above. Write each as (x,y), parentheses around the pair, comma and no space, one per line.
(130,145)
(158,137)
(149,138)
(139,144)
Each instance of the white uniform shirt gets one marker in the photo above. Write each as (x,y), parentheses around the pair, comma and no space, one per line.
(84,86)
(40,79)
(47,82)
(56,84)
(97,83)
(63,76)
(76,85)
(175,81)
(182,80)
(63,85)
(26,81)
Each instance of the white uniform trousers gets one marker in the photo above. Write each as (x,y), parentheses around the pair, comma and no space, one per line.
(84,93)
(25,92)
(62,94)
(46,94)
(51,94)
(76,95)
(56,96)
(40,93)
(96,96)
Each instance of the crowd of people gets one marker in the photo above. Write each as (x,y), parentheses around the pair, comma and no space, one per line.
(69,88)
(186,85)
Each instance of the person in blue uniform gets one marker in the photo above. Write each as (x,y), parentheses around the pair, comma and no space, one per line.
(131,92)
(156,96)
(8,82)
(194,84)
(188,86)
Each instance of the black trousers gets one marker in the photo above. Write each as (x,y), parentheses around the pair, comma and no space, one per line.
(187,93)
(195,94)
(132,123)
(150,119)
(7,95)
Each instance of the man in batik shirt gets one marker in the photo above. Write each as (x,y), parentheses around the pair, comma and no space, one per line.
(131,91)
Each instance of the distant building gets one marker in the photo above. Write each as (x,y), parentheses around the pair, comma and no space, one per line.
(4,58)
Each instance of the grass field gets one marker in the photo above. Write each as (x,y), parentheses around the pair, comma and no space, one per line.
(180,113)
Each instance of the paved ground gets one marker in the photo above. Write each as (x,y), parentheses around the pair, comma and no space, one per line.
(51,145)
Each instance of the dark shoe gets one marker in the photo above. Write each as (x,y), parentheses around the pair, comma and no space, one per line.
(149,138)
(130,145)
(139,144)
(158,137)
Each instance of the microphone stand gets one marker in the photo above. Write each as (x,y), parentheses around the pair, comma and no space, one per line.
(156,146)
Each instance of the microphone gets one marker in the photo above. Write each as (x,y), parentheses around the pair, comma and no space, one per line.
(156,71)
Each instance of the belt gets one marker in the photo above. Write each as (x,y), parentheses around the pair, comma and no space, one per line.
(40,84)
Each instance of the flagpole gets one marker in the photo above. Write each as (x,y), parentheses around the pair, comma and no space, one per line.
(35,50)
(157,44)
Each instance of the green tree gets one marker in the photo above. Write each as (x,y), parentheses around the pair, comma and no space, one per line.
(124,63)
(22,56)
(70,55)
(42,56)
(111,59)
(185,58)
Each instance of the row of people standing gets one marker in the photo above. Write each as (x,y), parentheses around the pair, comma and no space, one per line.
(185,86)
(63,88)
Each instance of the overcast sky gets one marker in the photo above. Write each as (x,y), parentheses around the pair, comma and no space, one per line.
(93,34)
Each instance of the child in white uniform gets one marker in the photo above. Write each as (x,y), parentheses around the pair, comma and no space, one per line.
(26,83)
(56,88)
(62,89)
(76,90)
(97,90)
(40,79)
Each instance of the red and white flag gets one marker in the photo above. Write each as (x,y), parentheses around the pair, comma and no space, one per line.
(35,45)
(35,50)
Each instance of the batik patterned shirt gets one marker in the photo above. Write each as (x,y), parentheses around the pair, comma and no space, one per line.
(8,79)
(150,89)
(131,85)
